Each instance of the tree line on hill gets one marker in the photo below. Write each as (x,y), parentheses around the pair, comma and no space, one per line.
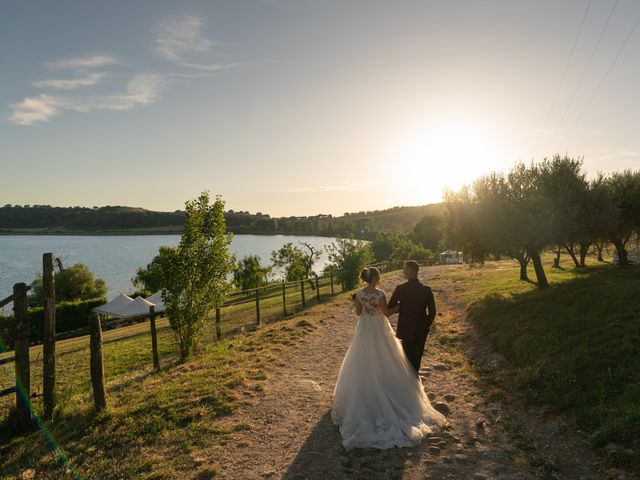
(546,205)
(364,225)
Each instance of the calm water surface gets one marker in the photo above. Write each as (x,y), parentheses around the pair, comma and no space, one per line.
(116,258)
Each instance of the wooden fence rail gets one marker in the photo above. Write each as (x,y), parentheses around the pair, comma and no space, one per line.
(22,389)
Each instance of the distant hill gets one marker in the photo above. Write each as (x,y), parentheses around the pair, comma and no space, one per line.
(45,219)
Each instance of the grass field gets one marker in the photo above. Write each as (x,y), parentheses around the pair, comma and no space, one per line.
(155,422)
(574,346)
(129,348)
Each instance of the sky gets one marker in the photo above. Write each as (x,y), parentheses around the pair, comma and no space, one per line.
(303,107)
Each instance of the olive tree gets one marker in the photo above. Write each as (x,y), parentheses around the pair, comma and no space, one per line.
(623,189)
(501,215)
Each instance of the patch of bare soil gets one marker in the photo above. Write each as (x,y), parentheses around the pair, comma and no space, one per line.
(491,435)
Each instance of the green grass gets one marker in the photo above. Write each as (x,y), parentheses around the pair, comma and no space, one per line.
(127,350)
(156,423)
(574,346)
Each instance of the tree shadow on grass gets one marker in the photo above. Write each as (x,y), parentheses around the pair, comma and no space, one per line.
(323,457)
(572,346)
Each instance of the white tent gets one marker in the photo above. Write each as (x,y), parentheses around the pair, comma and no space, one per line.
(115,305)
(137,308)
(156,299)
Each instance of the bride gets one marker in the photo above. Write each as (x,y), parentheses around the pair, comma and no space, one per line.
(379,401)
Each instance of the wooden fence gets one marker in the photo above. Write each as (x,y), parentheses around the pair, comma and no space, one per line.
(21,329)
(242,309)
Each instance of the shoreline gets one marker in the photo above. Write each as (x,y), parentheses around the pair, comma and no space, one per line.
(117,233)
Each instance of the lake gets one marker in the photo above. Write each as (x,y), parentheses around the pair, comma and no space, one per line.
(117,258)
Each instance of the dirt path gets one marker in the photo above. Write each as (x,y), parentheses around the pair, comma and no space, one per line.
(292,435)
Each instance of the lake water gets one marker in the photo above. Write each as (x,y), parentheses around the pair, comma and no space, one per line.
(117,258)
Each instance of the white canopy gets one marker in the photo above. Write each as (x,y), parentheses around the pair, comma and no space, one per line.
(115,305)
(124,306)
(156,299)
(137,308)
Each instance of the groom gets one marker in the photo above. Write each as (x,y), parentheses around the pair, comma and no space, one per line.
(416,313)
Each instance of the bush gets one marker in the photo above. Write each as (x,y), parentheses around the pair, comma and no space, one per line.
(383,246)
(152,278)
(250,273)
(349,257)
(69,316)
(407,250)
(73,283)
(291,261)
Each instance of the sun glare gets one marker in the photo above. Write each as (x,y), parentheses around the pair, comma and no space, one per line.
(446,155)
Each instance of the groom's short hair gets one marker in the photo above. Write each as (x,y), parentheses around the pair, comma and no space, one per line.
(412,266)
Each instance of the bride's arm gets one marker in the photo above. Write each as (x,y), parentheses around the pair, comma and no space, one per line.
(385,309)
(358,305)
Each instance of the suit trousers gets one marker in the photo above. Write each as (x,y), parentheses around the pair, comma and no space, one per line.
(414,349)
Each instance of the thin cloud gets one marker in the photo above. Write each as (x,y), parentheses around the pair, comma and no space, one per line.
(348,187)
(181,36)
(564,131)
(216,67)
(606,154)
(142,89)
(71,84)
(79,63)
(34,110)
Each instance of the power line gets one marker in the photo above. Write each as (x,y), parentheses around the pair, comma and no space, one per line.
(566,68)
(604,77)
(593,54)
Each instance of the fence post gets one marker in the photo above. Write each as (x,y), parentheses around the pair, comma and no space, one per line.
(331,280)
(97,370)
(317,289)
(218,329)
(304,302)
(154,338)
(49,336)
(257,306)
(21,348)
(284,297)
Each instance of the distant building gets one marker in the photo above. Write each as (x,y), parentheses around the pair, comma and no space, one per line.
(451,257)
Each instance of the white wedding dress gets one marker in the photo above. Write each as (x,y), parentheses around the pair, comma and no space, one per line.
(379,401)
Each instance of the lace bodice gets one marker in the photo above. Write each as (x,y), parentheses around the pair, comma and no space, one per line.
(370,301)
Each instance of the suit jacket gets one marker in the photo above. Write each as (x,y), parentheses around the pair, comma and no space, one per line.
(417,309)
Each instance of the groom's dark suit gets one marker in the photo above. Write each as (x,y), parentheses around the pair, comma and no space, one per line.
(415,316)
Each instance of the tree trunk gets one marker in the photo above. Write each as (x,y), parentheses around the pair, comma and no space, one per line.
(523,260)
(622,252)
(572,254)
(539,269)
(584,249)
(556,261)
(599,247)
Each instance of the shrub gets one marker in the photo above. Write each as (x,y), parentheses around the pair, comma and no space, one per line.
(69,316)
(349,257)
(73,283)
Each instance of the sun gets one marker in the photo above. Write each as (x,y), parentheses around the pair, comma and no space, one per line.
(444,155)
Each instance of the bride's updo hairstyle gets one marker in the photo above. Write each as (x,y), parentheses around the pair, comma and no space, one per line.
(368,274)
